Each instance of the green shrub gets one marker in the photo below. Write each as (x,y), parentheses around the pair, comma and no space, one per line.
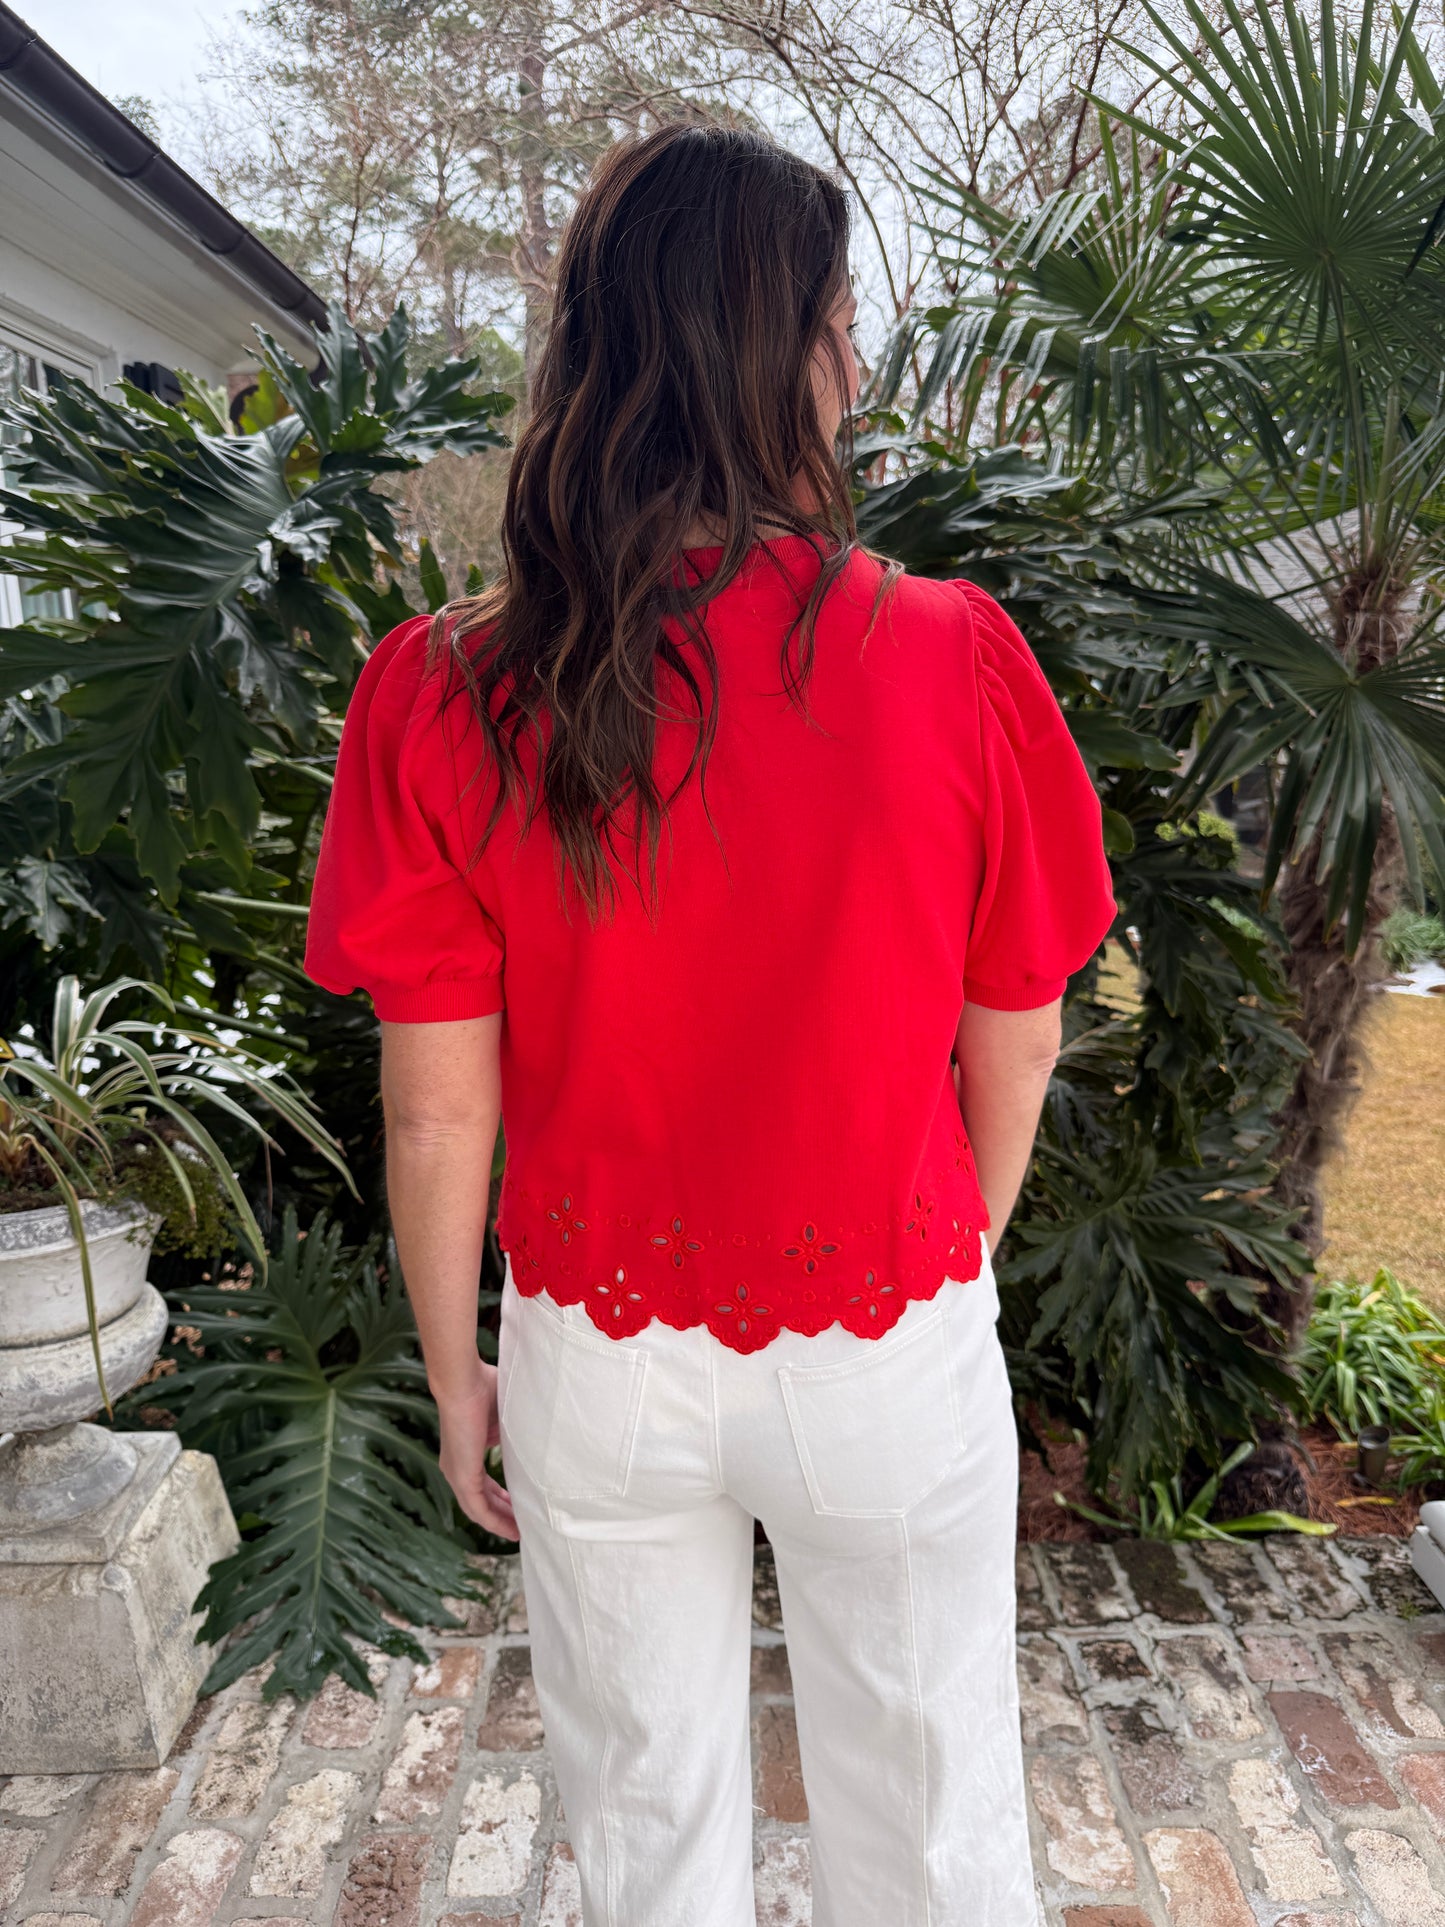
(165,759)
(1138,1269)
(1410,937)
(1162,1512)
(309,1390)
(1421,1442)
(1373,1355)
(166,753)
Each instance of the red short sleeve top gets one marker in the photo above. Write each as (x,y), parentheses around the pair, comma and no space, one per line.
(740,1114)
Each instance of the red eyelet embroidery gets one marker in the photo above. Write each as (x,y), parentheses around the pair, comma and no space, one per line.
(872,1295)
(566,1219)
(743,1309)
(810,1248)
(616,1297)
(971,1243)
(675,1243)
(635,1275)
(919,1221)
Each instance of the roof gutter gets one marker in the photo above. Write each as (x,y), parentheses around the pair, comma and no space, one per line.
(37,73)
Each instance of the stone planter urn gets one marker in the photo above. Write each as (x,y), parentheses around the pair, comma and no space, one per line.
(105,1537)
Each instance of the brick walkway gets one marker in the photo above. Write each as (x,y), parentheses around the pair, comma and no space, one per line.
(1220,1738)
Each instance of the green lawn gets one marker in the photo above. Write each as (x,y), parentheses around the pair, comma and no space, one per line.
(1385,1193)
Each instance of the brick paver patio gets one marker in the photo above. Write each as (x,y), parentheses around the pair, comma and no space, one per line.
(1228,1736)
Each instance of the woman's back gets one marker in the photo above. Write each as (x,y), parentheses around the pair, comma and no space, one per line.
(739,1112)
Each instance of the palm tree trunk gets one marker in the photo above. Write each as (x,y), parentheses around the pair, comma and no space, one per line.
(1333,985)
(1333,989)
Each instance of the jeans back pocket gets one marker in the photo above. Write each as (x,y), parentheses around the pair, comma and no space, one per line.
(570,1404)
(874,1434)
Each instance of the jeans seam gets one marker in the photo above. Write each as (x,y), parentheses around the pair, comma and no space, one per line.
(608,1737)
(924,1880)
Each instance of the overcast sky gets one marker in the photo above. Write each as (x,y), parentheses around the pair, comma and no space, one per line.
(124,47)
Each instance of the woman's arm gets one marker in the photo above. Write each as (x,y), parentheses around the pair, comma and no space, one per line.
(441,1090)
(1005,1059)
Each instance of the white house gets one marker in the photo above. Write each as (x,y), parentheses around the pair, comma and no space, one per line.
(112,258)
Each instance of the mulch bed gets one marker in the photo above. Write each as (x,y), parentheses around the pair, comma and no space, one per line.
(1327,1467)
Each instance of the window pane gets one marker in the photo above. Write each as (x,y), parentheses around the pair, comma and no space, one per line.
(19,370)
(11,378)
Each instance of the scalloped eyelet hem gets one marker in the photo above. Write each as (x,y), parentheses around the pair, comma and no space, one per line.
(744,1290)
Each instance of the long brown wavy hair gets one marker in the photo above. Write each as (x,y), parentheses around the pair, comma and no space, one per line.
(695,283)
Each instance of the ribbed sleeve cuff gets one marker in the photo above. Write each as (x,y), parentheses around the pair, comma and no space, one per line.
(1030,996)
(438,1003)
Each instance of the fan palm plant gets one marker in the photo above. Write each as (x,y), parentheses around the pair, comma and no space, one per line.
(1243,320)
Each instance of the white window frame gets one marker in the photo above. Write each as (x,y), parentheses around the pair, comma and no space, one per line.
(55,348)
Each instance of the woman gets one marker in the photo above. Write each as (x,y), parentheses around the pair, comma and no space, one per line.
(703,847)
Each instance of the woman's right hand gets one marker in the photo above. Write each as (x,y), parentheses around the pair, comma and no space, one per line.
(469,1426)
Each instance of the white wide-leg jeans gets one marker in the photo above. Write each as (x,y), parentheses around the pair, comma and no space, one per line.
(885,1473)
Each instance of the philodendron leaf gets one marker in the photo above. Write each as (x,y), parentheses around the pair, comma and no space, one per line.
(1118,833)
(220,582)
(1105,739)
(309,1391)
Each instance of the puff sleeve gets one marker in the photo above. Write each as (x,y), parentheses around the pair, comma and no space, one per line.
(397,907)
(1046,901)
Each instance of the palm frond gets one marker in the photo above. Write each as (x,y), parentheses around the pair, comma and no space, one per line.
(1344,738)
